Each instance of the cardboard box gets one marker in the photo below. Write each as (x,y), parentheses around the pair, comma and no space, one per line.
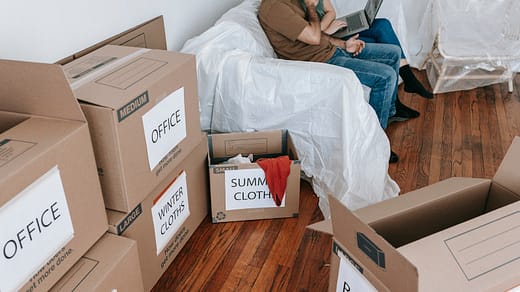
(240,191)
(112,264)
(142,110)
(168,216)
(51,206)
(460,234)
(149,34)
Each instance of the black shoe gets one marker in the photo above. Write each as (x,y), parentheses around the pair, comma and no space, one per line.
(402,113)
(393,157)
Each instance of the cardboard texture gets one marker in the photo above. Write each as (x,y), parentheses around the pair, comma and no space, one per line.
(164,221)
(51,206)
(460,234)
(149,34)
(239,191)
(112,264)
(142,110)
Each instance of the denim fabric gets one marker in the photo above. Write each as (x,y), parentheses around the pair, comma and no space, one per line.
(377,67)
(381,31)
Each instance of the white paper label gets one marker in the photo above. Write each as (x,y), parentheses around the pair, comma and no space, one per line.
(164,126)
(248,189)
(170,211)
(35,225)
(350,279)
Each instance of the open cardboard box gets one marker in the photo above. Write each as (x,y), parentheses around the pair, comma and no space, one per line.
(51,206)
(142,110)
(460,234)
(240,191)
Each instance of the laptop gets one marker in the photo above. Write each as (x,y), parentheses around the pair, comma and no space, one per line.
(359,20)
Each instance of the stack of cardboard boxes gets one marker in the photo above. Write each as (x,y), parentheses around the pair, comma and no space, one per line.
(128,158)
(142,110)
(51,206)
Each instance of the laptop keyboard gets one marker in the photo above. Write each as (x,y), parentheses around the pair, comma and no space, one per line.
(354,21)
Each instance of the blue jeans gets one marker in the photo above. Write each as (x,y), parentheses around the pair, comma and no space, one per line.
(377,67)
(381,32)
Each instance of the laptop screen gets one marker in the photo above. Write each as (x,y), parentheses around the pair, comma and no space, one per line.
(371,9)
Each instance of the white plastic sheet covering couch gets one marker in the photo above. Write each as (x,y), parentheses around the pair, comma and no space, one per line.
(243,87)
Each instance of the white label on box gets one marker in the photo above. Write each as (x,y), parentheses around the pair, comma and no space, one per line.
(170,210)
(35,224)
(248,189)
(350,279)
(164,126)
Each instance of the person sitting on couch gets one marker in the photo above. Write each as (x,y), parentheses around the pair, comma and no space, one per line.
(380,31)
(297,35)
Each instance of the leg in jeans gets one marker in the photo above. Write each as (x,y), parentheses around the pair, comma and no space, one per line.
(376,67)
(381,31)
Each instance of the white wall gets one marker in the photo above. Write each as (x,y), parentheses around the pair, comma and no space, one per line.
(47,31)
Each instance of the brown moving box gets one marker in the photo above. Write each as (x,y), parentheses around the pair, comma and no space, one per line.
(168,216)
(142,110)
(239,191)
(112,264)
(460,234)
(51,206)
(149,34)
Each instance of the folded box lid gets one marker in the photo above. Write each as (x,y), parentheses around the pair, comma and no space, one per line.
(37,89)
(507,174)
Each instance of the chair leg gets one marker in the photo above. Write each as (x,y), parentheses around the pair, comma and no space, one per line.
(510,82)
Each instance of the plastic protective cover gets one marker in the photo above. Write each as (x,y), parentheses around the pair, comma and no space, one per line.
(477,43)
(244,87)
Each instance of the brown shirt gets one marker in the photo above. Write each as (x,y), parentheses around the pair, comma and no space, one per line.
(283,21)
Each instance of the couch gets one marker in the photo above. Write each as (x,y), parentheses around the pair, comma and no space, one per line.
(243,86)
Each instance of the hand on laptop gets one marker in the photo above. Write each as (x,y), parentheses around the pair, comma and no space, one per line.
(335,26)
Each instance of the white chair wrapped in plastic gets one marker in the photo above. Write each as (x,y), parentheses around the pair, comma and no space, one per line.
(477,44)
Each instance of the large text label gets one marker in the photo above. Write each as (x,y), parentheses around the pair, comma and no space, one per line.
(164,126)
(170,211)
(35,225)
(248,189)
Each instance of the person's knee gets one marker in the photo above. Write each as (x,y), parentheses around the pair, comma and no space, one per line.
(395,51)
(382,22)
(383,25)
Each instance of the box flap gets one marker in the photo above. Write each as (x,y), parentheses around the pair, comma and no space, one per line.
(37,89)
(424,196)
(371,250)
(507,174)
(324,226)
(261,143)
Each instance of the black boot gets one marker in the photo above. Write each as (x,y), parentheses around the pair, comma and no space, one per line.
(402,112)
(411,84)
(393,157)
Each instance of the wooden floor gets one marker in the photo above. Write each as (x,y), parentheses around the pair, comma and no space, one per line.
(458,134)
